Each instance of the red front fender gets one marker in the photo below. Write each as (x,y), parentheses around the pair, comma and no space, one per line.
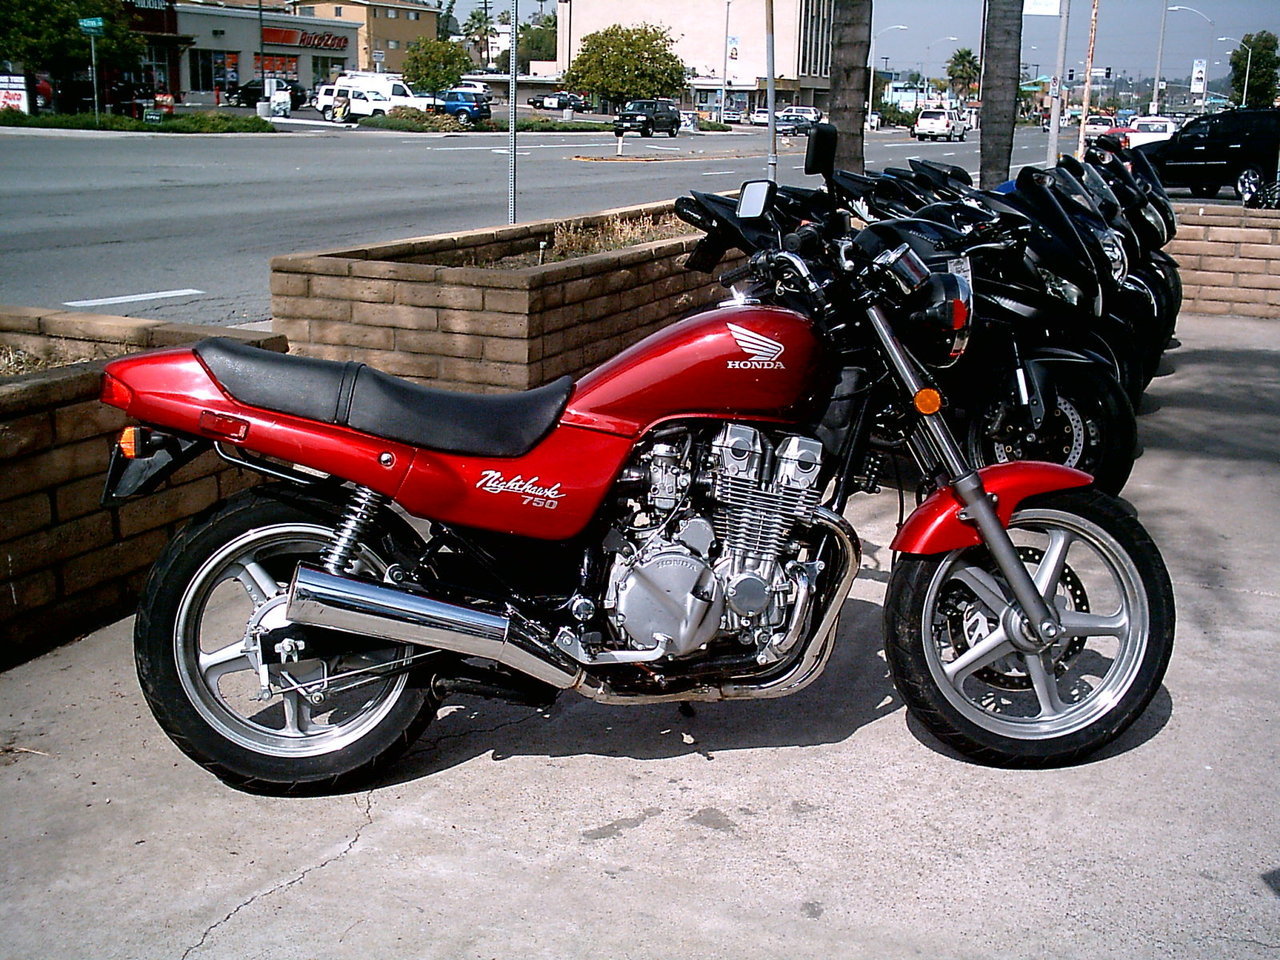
(935,525)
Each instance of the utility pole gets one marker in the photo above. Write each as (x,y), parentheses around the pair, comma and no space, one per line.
(1088,77)
(1055,87)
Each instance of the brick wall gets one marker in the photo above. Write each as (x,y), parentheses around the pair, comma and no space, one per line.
(68,566)
(416,309)
(1229,259)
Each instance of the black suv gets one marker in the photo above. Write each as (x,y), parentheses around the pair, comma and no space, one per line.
(1236,147)
(647,116)
(247,94)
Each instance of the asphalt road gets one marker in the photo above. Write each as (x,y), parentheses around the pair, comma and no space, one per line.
(90,217)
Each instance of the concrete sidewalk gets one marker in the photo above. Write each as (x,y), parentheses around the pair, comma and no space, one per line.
(823,825)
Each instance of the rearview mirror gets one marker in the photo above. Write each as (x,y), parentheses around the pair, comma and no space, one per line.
(820,155)
(756,199)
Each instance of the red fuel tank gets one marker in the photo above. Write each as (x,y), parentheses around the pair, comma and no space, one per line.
(745,362)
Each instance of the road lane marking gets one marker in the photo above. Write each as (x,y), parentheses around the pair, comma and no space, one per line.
(133,298)
(717,173)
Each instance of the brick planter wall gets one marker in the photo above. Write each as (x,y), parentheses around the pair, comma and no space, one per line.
(412,309)
(67,566)
(1229,259)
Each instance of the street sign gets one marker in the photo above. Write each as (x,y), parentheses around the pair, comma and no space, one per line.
(1055,88)
(379,56)
(93,26)
(1198,71)
(1041,8)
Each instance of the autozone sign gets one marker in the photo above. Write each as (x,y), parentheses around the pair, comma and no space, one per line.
(284,37)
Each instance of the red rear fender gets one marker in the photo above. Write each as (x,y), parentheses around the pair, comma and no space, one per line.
(935,526)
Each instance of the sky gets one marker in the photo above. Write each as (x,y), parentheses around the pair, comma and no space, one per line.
(1128,31)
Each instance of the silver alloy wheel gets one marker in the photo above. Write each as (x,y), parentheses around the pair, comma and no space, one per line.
(1081,569)
(1248,183)
(232,592)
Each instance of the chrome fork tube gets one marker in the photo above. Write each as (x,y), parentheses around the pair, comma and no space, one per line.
(969,489)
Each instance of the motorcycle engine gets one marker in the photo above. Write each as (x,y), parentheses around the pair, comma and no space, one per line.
(707,550)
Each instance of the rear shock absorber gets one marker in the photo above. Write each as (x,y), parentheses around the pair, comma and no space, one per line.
(362,508)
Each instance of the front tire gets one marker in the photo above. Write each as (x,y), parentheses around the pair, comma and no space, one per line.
(197,655)
(1093,429)
(959,675)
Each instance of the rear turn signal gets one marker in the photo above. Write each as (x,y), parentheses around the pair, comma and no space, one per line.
(132,442)
(927,401)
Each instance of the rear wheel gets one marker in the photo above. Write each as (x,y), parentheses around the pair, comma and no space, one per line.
(646,131)
(330,716)
(672,132)
(1092,428)
(950,620)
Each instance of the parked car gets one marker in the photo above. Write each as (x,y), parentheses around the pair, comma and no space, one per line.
(389,85)
(1236,147)
(475,86)
(791,125)
(648,117)
(560,100)
(464,105)
(872,122)
(810,114)
(936,124)
(350,103)
(249,93)
(759,117)
(1151,130)
(1096,124)
(731,116)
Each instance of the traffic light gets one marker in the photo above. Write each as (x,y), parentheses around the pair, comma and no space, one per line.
(1071,74)
(1108,73)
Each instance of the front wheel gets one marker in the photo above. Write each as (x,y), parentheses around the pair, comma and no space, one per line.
(328,715)
(646,131)
(949,619)
(1092,427)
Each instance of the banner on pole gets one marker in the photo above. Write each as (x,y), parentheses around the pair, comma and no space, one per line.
(1198,70)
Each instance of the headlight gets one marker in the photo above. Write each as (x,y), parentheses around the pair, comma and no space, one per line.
(1157,221)
(1064,289)
(1114,250)
(937,318)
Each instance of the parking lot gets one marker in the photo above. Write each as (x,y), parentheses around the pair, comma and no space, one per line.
(827,824)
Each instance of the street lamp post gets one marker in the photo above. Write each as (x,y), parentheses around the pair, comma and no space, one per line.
(927,47)
(724,75)
(871,59)
(1209,20)
(1244,92)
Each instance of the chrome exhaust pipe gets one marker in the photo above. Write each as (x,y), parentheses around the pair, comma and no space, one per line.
(320,599)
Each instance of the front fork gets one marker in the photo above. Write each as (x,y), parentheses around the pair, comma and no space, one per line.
(1039,617)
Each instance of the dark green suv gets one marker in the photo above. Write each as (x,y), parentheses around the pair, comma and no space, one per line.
(1237,148)
(648,116)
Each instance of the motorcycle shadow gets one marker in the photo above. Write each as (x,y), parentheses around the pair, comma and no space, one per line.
(853,691)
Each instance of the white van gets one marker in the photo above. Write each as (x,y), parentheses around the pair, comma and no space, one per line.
(370,94)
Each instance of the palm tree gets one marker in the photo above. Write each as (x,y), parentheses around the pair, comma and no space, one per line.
(1000,78)
(850,46)
(479,30)
(963,71)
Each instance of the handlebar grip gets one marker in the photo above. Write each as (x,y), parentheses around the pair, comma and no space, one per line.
(803,240)
(730,277)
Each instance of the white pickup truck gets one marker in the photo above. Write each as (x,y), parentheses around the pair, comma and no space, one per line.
(936,124)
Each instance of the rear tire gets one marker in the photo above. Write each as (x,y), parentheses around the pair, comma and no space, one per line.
(1248,180)
(646,131)
(1021,709)
(226,573)
(1093,429)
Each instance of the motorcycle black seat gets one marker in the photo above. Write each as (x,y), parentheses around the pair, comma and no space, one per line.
(357,396)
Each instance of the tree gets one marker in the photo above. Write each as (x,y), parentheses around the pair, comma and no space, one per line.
(537,41)
(963,70)
(1262,71)
(1001,66)
(627,63)
(479,29)
(434,65)
(45,35)
(850,47)
(446,23)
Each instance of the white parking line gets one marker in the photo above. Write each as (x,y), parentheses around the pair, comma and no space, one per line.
(158,295)
(718,173)
(519,153)
(653,146)
(951,154)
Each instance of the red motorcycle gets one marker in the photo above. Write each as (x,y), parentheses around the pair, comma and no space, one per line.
(668,528)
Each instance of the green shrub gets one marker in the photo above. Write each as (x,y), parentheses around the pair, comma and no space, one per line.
(714,126)
(545,125)
(413,120)
(179,123)
(891,116)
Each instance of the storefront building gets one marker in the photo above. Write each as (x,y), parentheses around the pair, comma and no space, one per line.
(386,27)
(156,22)
(226,51)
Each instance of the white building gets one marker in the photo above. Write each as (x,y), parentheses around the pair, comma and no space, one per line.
(709,34)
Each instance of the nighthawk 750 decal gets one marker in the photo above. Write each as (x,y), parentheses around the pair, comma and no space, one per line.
(764,352)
